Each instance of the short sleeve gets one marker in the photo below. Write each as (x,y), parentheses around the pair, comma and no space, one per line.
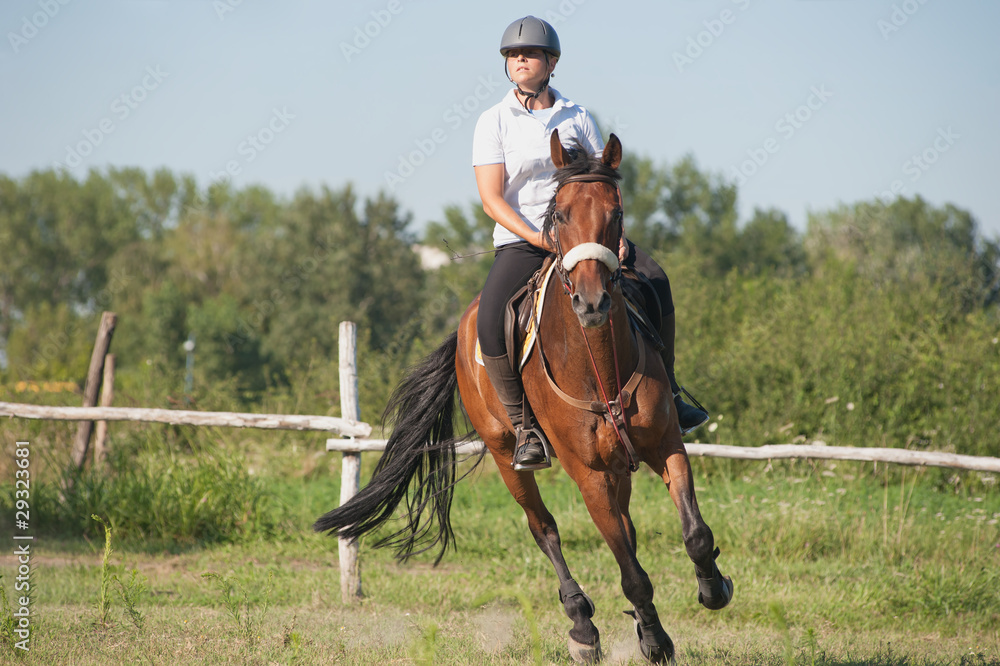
(486,145)
(592,134)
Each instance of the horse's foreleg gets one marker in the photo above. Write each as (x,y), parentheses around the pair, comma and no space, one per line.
(607,501)
(624,497)
(585,639)
(715,591)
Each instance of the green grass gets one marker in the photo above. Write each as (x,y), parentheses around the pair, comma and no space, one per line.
(833,564)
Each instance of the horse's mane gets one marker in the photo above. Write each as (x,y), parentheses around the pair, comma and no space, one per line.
(581,163)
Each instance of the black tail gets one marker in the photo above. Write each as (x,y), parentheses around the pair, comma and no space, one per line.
(422,444)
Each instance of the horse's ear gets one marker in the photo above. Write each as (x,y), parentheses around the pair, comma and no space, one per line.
(560,156)
(612,155)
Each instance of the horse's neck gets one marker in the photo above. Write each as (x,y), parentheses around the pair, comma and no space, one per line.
(566,347)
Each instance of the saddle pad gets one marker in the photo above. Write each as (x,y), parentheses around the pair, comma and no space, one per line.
(531,333)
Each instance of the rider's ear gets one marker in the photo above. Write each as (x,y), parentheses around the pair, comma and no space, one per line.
(612,155)
(560,156)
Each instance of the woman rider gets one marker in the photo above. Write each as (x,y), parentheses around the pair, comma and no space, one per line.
(514,175)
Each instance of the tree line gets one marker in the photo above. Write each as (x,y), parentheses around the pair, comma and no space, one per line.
(879,321)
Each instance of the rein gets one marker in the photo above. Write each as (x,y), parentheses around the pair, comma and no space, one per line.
(565,262)
(623,432)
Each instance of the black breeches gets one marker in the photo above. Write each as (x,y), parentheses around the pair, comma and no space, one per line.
(513,266)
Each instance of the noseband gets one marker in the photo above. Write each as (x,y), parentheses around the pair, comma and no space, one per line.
(567,261)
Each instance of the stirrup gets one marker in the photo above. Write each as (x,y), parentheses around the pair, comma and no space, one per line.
(697,405)
(522,441)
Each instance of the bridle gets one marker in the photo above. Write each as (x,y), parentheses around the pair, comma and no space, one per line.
(566,261)
(614,410)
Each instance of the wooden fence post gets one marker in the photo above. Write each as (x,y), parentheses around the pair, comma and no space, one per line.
(350,476)
(107,396)
(82,441)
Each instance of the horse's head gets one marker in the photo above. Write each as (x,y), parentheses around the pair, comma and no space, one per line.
(584,222)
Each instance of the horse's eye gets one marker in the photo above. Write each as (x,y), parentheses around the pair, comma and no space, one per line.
(557,217)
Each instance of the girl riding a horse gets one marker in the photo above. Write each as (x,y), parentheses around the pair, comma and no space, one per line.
(514,175)
(603,418)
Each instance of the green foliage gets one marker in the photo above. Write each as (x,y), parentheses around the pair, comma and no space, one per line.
(8,623)
(224,351)
(160,497)
(242,610)
(452,287)
(777,614)
(107,574)
(835,357)
(131,593)
(424,650)
(51,344)
(261,283)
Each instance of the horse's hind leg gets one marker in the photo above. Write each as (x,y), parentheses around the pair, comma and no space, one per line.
(584,638)
(715,591)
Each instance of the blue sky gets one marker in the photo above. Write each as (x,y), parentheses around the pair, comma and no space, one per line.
(806,104)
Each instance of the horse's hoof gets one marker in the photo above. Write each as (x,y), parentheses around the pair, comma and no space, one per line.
(720,601)
(585,654)
(655,649)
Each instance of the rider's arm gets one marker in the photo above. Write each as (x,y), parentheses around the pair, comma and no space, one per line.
(489,180)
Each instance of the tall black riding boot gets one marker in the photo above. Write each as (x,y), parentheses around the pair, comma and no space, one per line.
(530,451)
(690,417)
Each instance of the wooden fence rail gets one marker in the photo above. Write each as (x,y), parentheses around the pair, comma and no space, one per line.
(768,452)
(331,424)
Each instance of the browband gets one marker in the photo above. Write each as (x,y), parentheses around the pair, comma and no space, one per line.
(590,178)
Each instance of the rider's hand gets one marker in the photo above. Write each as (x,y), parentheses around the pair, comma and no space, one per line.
(622,250)
(540,240)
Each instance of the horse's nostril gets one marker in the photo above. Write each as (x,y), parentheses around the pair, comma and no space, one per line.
(604,306)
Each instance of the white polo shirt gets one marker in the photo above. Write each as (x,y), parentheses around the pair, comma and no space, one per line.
(507,134)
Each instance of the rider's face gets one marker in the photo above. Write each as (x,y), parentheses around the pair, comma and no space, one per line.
(529,67)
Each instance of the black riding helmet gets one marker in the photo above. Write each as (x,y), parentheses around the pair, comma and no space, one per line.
(530,33)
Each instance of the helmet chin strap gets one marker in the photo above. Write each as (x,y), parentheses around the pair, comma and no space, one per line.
(531,95)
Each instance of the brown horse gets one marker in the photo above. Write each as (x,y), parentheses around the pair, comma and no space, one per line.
(599,439)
